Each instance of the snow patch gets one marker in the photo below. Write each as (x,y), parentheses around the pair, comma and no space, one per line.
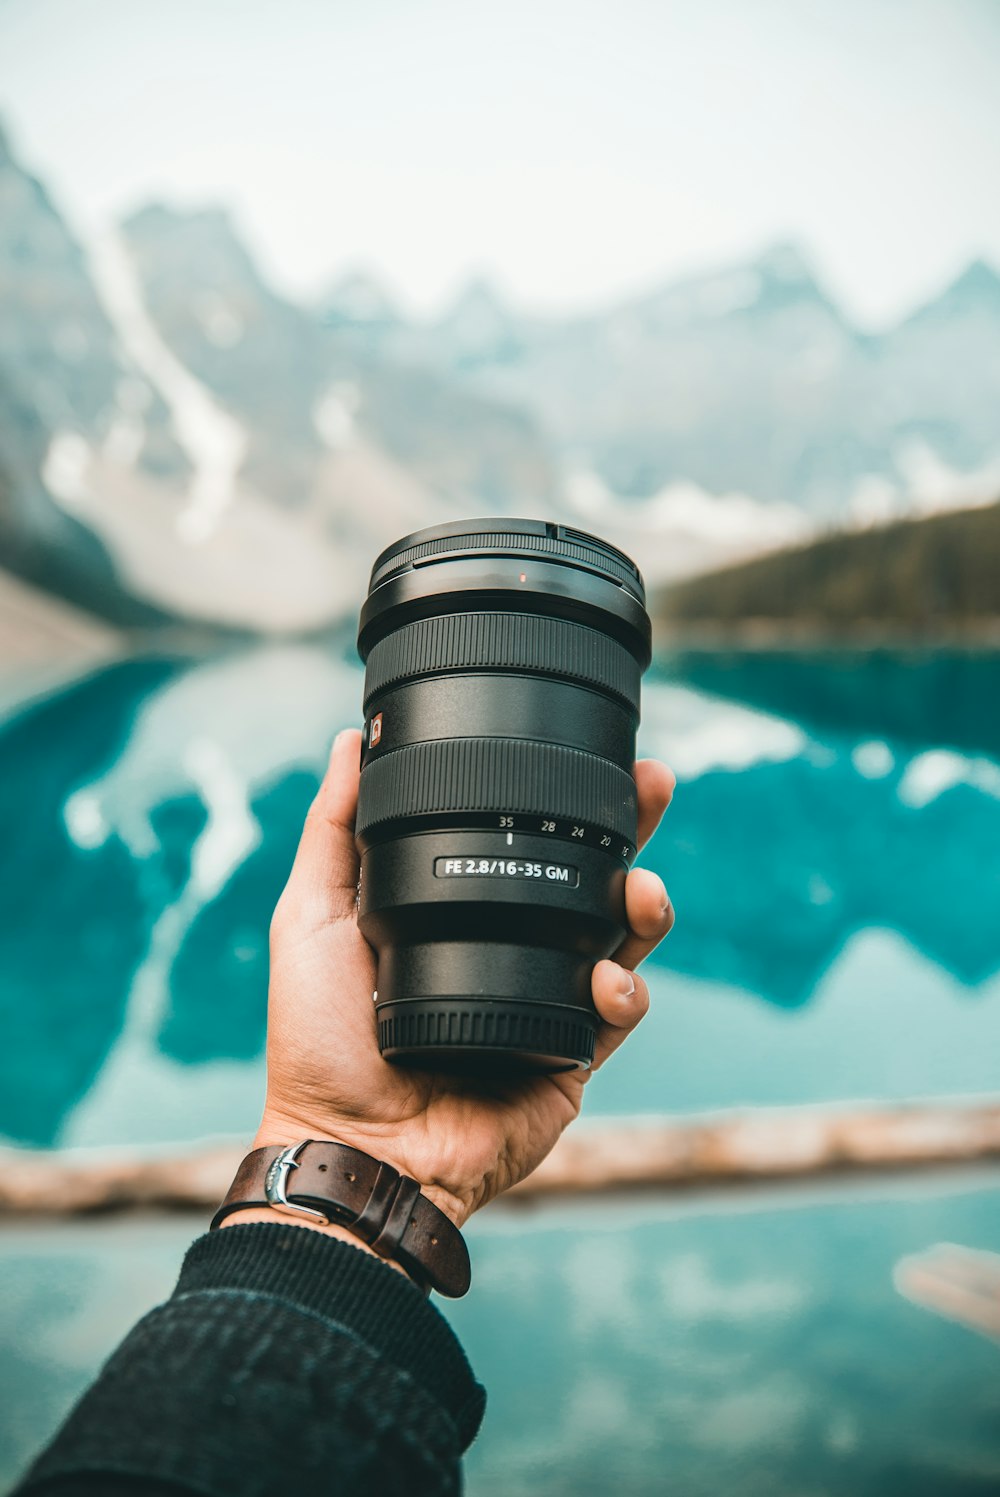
(334,413)
(875,500)
(124,440)
(926,485)
(726,519)
(66,469)
(84,820)
(232,831)
(930,775)
(697,734)
(214,442)
(933,486)
(730,519)
(873,761)
(684,529)
(222,324)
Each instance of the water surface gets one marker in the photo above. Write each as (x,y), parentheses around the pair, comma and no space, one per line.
(746,1342)
(832,854)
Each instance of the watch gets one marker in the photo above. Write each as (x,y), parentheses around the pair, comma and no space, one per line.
(332,1182)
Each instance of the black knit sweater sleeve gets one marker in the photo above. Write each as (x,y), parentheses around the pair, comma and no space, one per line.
(284,1362)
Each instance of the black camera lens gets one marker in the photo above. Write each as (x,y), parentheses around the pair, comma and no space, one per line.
(497,810)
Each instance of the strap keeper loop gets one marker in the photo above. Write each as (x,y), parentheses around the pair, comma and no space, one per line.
(371,1219)
(389,1242)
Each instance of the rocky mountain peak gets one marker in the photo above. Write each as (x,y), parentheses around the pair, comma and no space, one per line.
(359,300)
(972,295)
(978,285)
(203,245)
(248,426)
(786,278)
(478,326)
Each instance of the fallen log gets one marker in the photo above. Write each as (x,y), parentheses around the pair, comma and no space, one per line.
(766,1145)
(594,1156)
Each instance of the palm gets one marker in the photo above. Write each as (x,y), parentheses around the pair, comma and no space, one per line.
(326,1078)
(442,1129)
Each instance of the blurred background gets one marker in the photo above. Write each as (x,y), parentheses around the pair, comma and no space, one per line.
(718,281)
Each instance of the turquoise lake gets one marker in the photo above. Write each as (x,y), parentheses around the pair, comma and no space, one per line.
(832,852)
(833,855)
(747,1342)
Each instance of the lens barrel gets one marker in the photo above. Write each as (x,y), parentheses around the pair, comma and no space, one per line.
(497,807)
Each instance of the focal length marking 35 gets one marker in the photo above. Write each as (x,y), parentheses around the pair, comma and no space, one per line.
(504,659)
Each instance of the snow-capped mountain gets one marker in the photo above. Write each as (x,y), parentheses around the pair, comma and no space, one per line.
(179,440)
(752,381)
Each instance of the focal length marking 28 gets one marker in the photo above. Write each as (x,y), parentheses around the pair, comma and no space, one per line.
(561,827)
(480,867)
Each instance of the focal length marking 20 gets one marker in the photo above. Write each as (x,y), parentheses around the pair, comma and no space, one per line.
(480,867)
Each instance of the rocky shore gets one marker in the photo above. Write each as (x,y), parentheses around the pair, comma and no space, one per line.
(594,1157)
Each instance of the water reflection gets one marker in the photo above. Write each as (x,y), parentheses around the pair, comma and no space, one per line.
(150,815)
(857,818)
(749,1342)
(764,1353)
(948,698)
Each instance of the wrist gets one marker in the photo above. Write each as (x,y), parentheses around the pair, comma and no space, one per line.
(327,1183)
(267,1215)
(281,1130)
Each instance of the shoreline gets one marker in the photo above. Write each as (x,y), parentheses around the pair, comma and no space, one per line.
(780,636)
(597,1157)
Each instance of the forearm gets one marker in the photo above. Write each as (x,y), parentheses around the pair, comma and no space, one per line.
(283,1358)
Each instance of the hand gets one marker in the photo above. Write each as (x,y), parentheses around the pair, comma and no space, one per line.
(463,1140)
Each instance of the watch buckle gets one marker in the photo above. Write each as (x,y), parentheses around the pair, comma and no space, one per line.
(276,1183)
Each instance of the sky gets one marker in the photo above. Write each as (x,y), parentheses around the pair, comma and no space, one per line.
(573,152)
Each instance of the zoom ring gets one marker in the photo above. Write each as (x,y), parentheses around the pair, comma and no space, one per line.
(508,775)
(504,641)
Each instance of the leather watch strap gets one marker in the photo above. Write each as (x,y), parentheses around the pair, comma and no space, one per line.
(336,1183)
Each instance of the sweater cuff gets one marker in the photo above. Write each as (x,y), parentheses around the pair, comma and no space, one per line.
(327,1277)
(282,1357)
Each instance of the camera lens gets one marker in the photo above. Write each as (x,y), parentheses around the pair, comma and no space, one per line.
(497,809)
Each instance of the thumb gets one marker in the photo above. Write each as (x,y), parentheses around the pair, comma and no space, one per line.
(324,875)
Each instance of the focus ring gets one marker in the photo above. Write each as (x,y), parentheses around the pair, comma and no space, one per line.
(503,641)
(512,775)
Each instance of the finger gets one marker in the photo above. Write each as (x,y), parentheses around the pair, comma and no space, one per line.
(621,999)
(324,876)
(655,785)
(650,916)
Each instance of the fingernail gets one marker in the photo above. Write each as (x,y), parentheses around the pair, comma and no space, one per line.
(626,984)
